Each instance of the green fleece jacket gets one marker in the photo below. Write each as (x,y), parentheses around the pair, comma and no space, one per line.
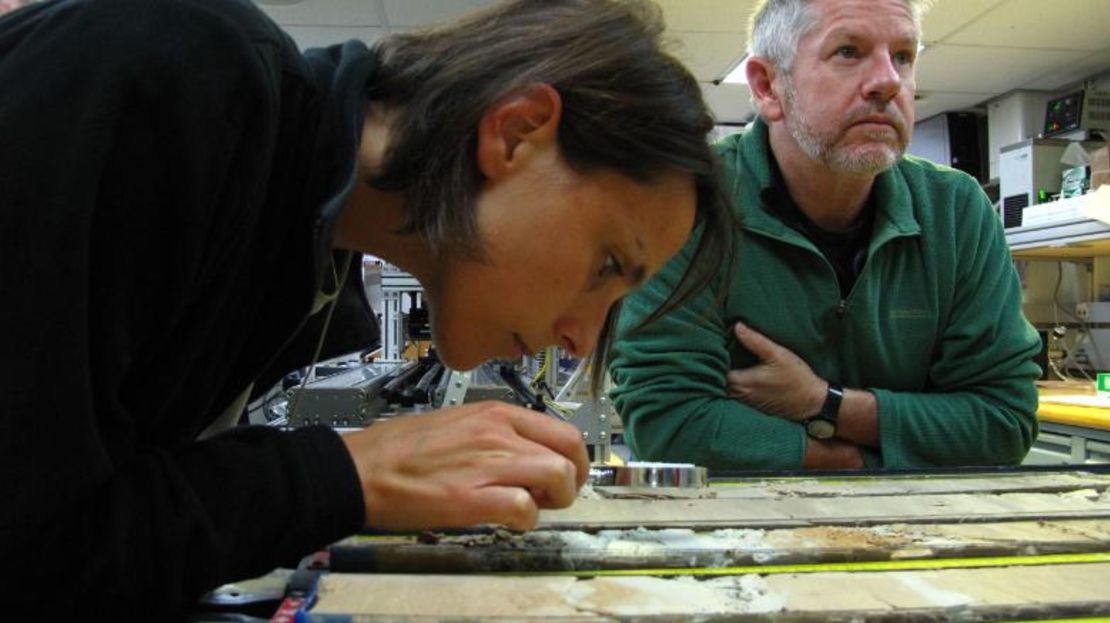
(933,327)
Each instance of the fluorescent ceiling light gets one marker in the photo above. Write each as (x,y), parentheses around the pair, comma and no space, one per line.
(739,72)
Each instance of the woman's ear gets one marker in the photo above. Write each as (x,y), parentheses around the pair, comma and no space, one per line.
(762,76)
(515,125)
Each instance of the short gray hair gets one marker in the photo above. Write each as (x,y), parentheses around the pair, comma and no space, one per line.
(777,27)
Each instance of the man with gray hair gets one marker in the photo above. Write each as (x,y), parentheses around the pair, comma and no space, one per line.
(871,315)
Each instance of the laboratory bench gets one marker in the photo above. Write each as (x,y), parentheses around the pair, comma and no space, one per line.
(1027,543)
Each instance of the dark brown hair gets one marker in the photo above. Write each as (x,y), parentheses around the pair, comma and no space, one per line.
(628,106)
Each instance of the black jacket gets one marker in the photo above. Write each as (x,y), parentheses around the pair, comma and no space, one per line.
(170,171)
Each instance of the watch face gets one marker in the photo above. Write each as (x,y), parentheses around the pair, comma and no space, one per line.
(820,429)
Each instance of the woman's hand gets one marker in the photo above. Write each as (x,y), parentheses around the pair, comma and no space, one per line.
(481,463)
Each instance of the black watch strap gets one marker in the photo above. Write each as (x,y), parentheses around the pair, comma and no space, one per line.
(830,411)
(823,425)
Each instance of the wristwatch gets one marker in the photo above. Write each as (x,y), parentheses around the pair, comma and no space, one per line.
(823,425)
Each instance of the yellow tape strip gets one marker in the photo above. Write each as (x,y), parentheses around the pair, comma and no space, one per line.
(1087,620)
(1074,415)
(882,565)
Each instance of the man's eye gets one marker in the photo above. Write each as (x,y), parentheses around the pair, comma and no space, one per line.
(611,267)
(904,58)
(847,51)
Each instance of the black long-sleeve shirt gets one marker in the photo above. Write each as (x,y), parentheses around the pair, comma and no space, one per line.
(170,172)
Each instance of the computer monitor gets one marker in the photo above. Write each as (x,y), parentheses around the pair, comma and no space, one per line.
(1063,114)
(1081,115)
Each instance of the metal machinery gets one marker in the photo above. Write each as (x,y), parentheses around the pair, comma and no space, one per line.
(1030,170)
(363,392)
(396,286)
(350,393)
(1030,174)
(346,399)
(1065,444)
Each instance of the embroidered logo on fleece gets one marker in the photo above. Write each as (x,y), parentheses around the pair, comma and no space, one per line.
(909,313)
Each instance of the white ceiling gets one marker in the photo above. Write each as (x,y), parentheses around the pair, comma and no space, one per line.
(977,49)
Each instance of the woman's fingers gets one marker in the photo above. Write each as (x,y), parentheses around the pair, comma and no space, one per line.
(480,463)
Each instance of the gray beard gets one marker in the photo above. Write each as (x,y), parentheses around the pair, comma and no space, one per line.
(825,150)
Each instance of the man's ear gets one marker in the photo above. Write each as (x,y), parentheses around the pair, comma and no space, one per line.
(762,80)
(515,125)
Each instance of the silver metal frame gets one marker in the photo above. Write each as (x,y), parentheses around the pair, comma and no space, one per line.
(395,284)
(650,476)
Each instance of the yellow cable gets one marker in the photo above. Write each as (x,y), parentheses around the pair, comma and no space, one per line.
(539,374)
